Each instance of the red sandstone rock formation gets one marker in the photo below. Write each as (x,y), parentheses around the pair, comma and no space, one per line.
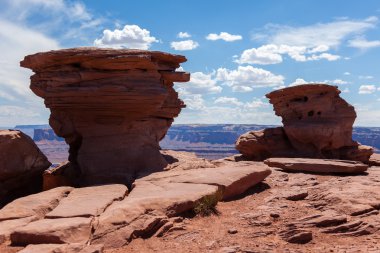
(21,165)
(111,106)
(317,124)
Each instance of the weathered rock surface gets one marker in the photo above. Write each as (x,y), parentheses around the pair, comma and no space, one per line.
(145,209)
(46,231)
(317,124)
(24,210)
(108,215)
(317,165)
(82,202)
(21,165)
(232,178)
(111,106)
(62,248)
(36,205)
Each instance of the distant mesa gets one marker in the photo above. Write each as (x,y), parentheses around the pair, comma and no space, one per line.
(111,106)
(317,124)
(45,134)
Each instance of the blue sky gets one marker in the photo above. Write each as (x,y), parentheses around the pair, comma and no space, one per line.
(237,51)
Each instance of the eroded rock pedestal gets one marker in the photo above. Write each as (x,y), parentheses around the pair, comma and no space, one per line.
(111,106)
(317,124)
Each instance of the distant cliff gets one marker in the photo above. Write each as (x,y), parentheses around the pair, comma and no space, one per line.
(209,141)
(46,134)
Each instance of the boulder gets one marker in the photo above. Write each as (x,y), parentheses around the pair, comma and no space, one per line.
(374,160)
(111,106)
(21,165)
(63,174)
(317,165)
(262,144)
(317,123)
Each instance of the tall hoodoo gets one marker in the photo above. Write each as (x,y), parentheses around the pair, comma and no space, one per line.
(317,123)
(111,106)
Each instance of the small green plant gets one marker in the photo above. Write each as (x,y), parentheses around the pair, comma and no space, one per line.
(207,205)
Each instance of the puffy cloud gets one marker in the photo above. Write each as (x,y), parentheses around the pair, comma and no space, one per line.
(228,101)
(336,81)
(194,101)
(183,35)
(223,36)
(272,54)
(184,45)
(131,36)
(263,55)
(362,43)
(256,103)
(346,73)
(245,78)
(330,34)
(326,56)
(200,83)
(298,81)
(367,89)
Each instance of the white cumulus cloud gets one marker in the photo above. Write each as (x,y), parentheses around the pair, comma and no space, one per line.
(272,54)
(223,36)
(200,83)
(228,101)
(194,101)
(183,35)
(131,36)
(184,45)
(245,78)
(367,89)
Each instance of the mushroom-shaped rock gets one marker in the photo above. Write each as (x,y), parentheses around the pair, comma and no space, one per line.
(111,106)
(317,124)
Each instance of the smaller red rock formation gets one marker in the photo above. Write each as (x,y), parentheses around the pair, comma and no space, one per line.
(111,106)
(317,124)
(317,165)
(21,165)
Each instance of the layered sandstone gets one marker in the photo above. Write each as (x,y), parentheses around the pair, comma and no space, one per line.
(21,165)
(111,106)
(113,216)
(317,123)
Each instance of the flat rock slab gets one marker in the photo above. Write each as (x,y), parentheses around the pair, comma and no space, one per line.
(36,205)
(88,201)
(66,230)
(317,165)
(234,179)
(146,209)
(8,226)
(62,248)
